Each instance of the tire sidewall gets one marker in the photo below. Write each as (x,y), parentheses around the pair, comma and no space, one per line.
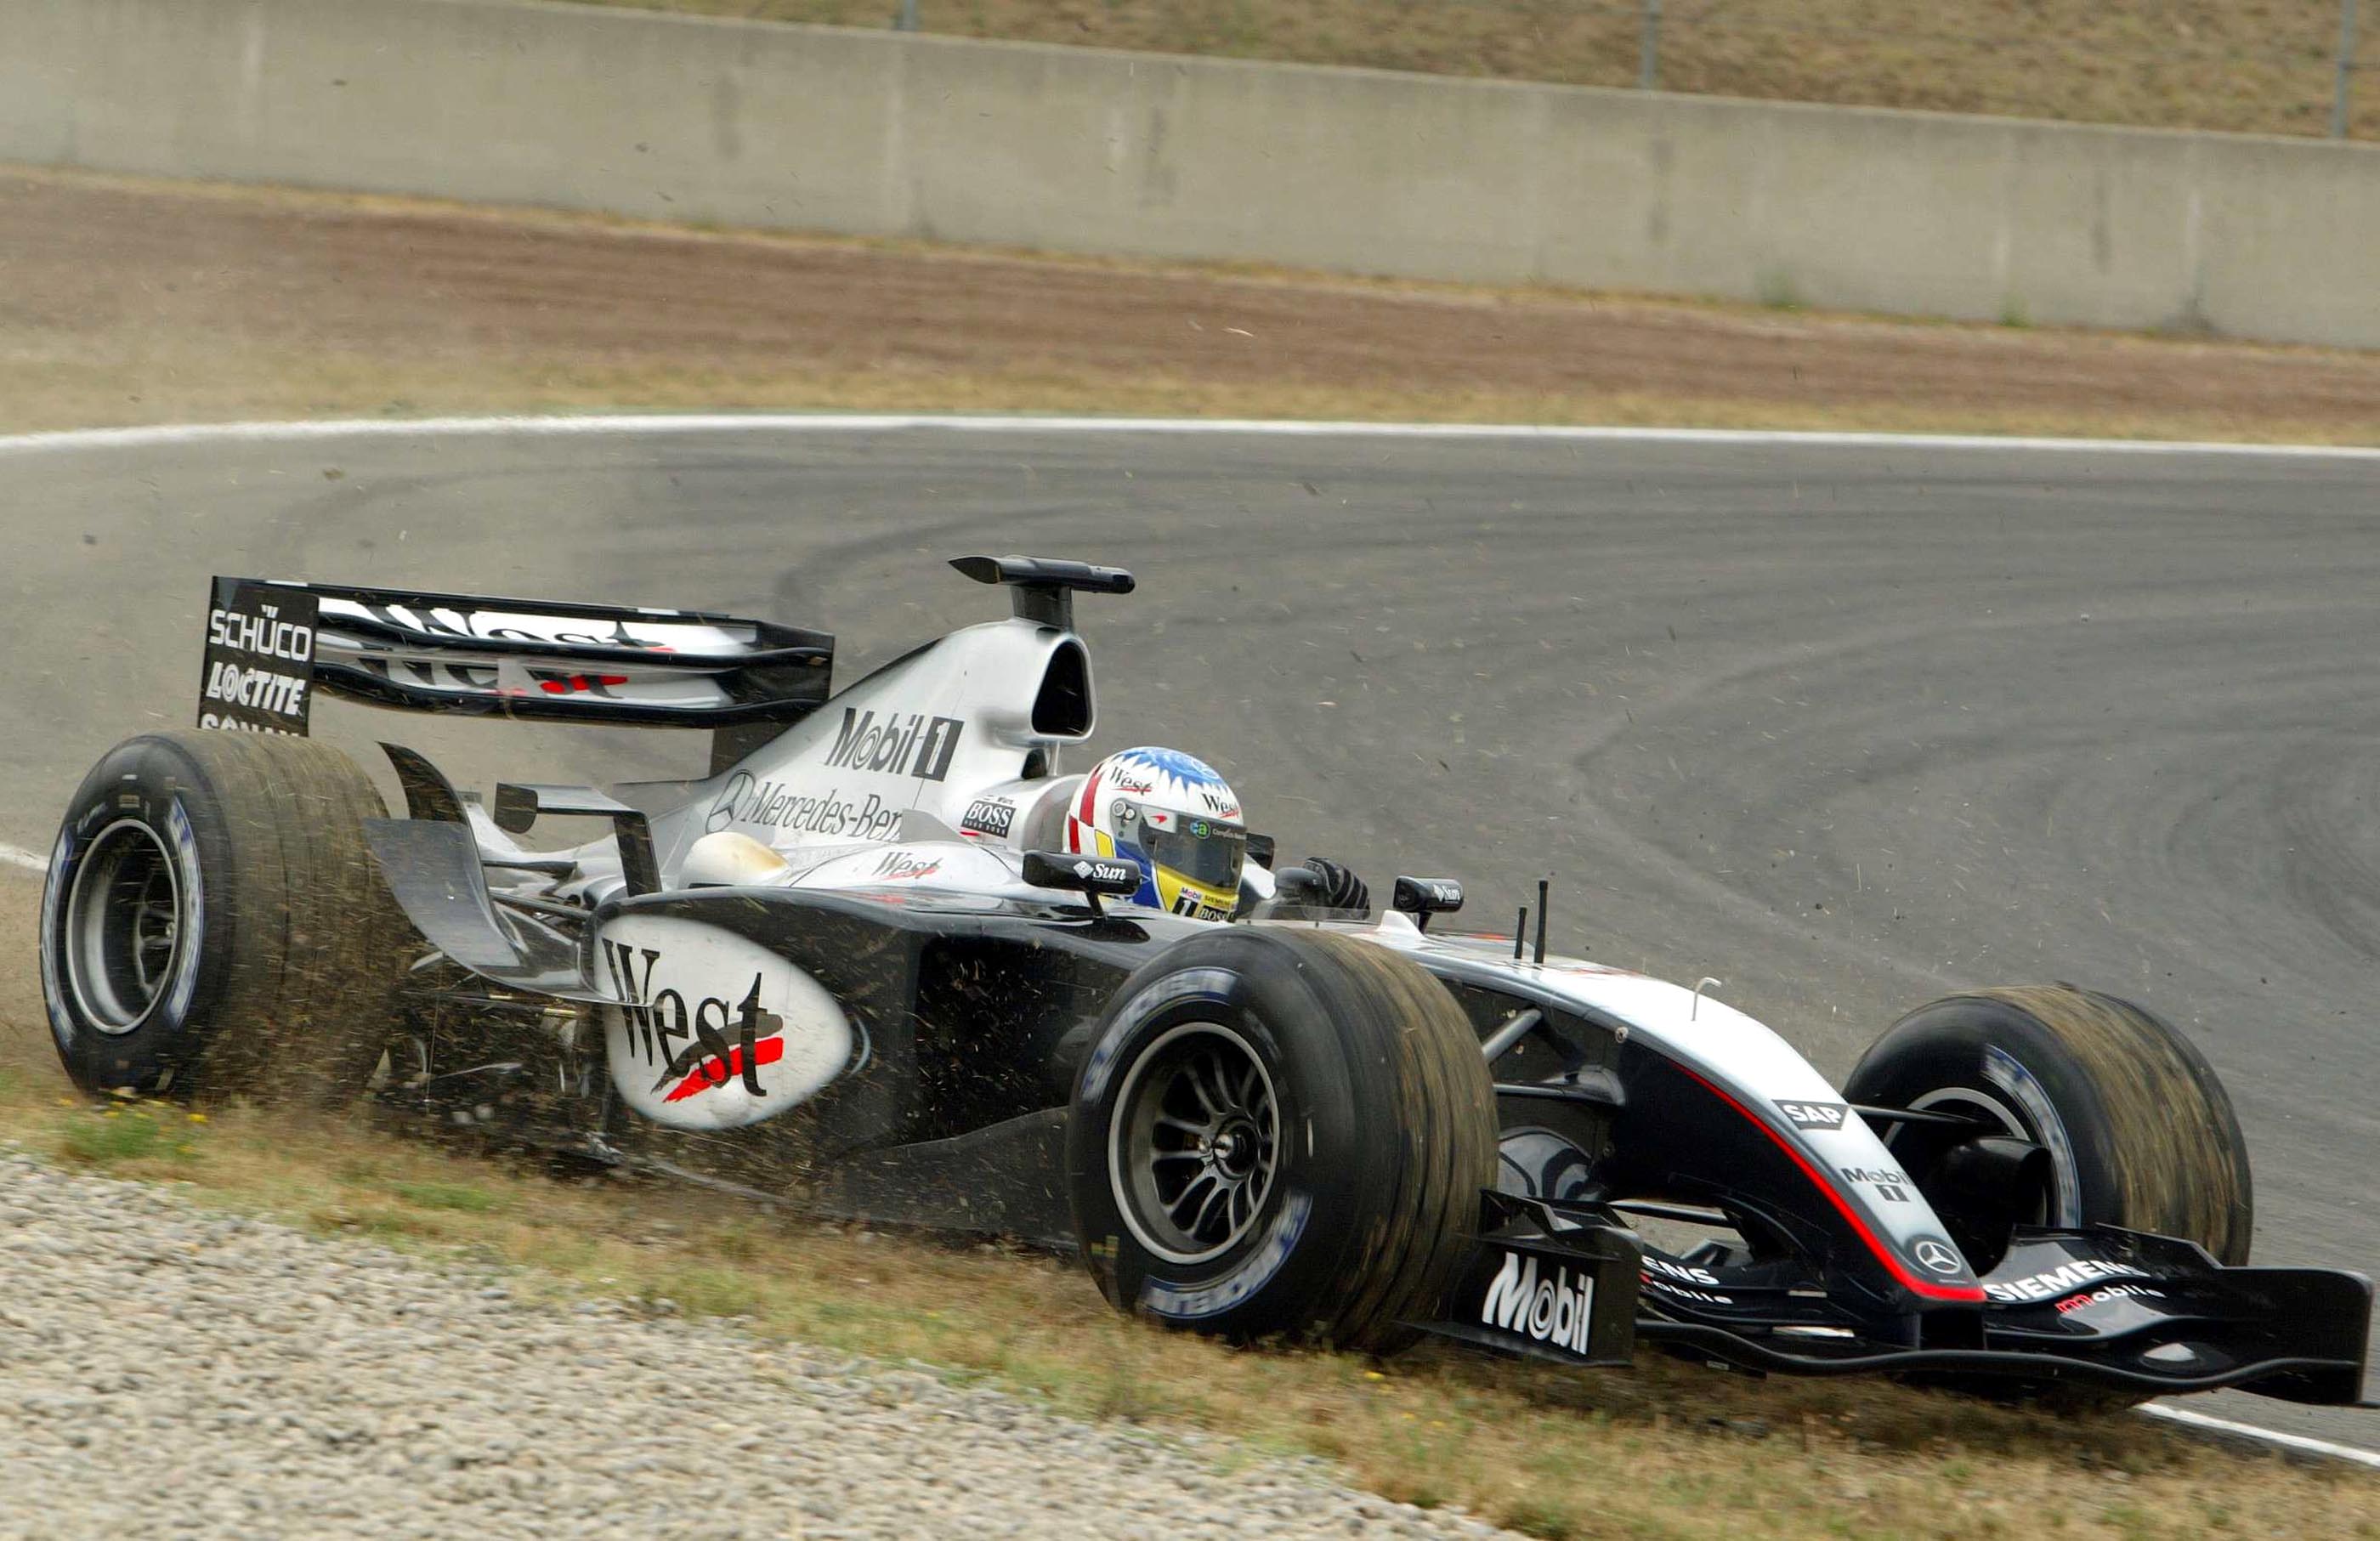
(1263,1285)
(142,782)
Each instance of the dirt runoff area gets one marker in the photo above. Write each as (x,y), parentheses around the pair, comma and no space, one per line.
(126,301)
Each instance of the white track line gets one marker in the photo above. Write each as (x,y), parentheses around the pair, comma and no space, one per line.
(604,425)
(2263,1436)
(599,425)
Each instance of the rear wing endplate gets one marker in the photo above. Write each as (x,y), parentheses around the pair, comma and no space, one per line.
(272,644)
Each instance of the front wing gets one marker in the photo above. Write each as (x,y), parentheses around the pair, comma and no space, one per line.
(2096,1306)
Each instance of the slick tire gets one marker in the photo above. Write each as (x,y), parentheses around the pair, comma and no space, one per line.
(1280,1134)
(2139,1131)
(213,924)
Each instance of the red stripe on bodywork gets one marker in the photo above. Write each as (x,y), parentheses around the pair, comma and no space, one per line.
(767,1052)
(1884,1254)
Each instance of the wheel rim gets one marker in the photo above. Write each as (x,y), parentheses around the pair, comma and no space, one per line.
(1195,1143)
(123,926)
(1983,1104)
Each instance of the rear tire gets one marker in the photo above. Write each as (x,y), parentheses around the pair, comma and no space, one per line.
(214,923)
(1280,1134)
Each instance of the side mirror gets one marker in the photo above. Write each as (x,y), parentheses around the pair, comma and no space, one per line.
(1423,897)
(1088,875)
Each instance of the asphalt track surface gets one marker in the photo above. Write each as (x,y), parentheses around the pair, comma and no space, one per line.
(1847,725)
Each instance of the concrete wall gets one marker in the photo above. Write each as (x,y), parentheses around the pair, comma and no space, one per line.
(878,133)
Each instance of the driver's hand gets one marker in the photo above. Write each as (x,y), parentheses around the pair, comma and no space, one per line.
(1338,886)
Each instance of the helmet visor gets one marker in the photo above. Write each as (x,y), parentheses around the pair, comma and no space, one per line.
(1205,850)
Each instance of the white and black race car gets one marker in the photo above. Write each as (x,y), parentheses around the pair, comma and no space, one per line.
(880,962)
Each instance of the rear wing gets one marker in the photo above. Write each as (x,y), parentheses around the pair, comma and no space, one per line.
(272,644)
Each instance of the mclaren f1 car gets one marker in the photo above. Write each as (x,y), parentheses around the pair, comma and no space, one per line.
(890,958)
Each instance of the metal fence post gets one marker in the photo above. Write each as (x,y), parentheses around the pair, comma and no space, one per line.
(1648,48)
(905,19)
(2346,70)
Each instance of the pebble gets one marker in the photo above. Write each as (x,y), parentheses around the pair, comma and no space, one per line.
(169,1372)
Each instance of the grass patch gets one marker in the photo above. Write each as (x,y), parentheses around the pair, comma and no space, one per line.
(133,1135)
(2258,66)
(1778,291)
(467,1197)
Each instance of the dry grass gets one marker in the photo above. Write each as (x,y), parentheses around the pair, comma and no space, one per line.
(2248,66)
(228,385)
(1668,1451)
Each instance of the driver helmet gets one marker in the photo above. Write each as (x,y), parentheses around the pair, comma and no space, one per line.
(1172,815)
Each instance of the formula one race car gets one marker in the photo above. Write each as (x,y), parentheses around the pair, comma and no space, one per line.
(889,960)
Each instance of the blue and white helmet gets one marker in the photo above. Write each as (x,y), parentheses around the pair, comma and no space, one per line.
(1174,816)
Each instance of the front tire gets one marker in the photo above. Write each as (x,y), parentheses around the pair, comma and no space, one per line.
(2139,1130)
(1280,1134)
(214,924)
